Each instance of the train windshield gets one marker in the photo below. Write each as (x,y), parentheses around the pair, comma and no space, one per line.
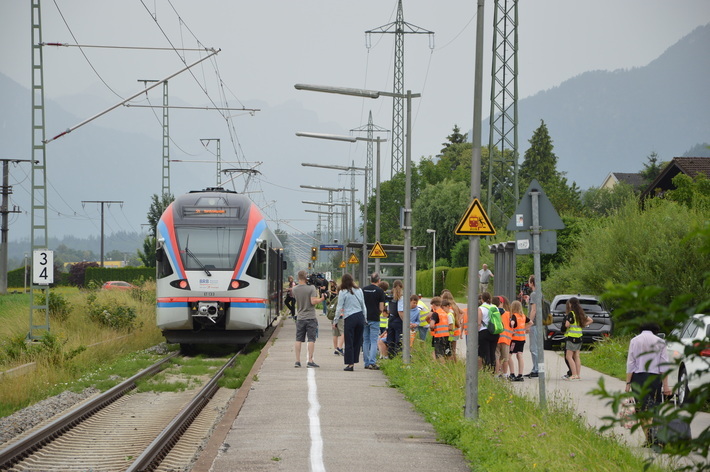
(213,248)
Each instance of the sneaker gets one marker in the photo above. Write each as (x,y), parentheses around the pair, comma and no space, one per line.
(372,367)
(336,353)
(297,364)
(312,364)
(566,377)
(348,368)
(519,378)
(532,375)
(340,350)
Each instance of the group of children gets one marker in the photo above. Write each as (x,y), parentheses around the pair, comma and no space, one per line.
(447,323)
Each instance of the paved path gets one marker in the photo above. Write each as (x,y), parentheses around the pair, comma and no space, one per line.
(327,419)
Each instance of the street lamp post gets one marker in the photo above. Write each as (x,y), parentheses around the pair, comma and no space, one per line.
(407,226)
(352,139)
(433,260)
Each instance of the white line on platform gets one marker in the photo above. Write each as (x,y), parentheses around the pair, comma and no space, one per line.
(316,437)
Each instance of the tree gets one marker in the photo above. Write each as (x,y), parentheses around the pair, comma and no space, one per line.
(651,169)
(439,207)
(540,163)
(605,201)
(454,138)
(391,200)
(158,205)
(77,272)
(147,256)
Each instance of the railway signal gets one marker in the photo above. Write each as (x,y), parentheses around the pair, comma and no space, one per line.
(314,253)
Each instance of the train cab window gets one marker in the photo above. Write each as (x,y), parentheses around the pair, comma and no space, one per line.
(162,263)
(213,247)
(257,266)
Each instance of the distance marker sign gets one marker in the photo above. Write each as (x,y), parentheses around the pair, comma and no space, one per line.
(475,222)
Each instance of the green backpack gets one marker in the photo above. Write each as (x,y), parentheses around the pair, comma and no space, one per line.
(495,323)
(331,308)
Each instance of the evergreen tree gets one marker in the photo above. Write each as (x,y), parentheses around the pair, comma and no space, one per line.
(454,138)
(540,163)
(651,169)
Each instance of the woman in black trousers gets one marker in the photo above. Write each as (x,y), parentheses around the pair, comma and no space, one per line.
(351,307)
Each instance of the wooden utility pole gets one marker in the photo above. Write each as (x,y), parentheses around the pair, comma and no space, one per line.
(4,210)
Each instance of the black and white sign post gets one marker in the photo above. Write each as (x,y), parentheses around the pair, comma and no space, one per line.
(42,277)
(534,214)
(42,267)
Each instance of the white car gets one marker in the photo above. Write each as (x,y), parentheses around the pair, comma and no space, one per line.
(690,373)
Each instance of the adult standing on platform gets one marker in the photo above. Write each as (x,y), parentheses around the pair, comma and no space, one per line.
(351,306)
(535,303)
(395,322)
(306,322)
(484,278)
(290,302)
(375,302)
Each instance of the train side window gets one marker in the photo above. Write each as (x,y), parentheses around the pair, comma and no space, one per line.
(257,266)
(163,263)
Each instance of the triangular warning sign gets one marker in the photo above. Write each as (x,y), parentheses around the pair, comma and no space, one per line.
(475,222)
(378,251)
(353,259)
(342,264)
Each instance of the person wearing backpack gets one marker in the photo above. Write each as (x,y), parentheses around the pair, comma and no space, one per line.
(487,337)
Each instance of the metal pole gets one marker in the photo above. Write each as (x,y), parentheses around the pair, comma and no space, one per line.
(406,355)
(538,288)
(377,205)
(364,230)
(471,408)
(102,234)
(433,263)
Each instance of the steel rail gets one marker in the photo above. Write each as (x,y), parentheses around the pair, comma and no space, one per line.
(161,445)
(17,451)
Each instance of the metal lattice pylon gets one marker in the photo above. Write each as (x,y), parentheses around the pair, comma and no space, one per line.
(503,140)
(166,142)
(399,28)
(39,294)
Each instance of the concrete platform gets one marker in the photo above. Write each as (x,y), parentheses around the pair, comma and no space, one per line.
(318,419)
(299,419)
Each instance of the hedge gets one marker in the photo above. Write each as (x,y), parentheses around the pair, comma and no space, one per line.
(100,275)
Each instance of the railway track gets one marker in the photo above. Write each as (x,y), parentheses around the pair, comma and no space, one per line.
(116,431)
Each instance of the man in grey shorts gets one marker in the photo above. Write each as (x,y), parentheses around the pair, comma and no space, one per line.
(306,321)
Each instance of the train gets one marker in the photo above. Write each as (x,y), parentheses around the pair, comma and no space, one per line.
(219,270)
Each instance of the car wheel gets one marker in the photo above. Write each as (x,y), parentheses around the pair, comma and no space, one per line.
(683,392)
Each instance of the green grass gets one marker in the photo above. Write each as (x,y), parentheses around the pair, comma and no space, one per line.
(77,354)
(609,356)
(512,432)
(234,377)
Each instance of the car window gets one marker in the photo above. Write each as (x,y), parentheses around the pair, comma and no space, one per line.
(690,329)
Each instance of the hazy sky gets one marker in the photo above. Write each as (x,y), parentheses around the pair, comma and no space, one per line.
(268,46)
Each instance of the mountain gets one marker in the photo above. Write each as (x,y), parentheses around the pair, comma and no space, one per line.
(610,121)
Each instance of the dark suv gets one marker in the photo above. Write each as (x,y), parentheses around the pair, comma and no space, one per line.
(600,328)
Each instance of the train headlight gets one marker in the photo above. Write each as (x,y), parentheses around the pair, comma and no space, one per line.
(182,284)
(237,284)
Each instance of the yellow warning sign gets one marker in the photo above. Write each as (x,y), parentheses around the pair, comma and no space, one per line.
(378,251)
(475,222)
(342,264)
(353,259)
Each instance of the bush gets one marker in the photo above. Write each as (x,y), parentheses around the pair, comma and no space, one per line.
(655,246)
(58,306)
(112,314)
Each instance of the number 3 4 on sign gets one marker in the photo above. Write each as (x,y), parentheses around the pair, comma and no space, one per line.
(42,267)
